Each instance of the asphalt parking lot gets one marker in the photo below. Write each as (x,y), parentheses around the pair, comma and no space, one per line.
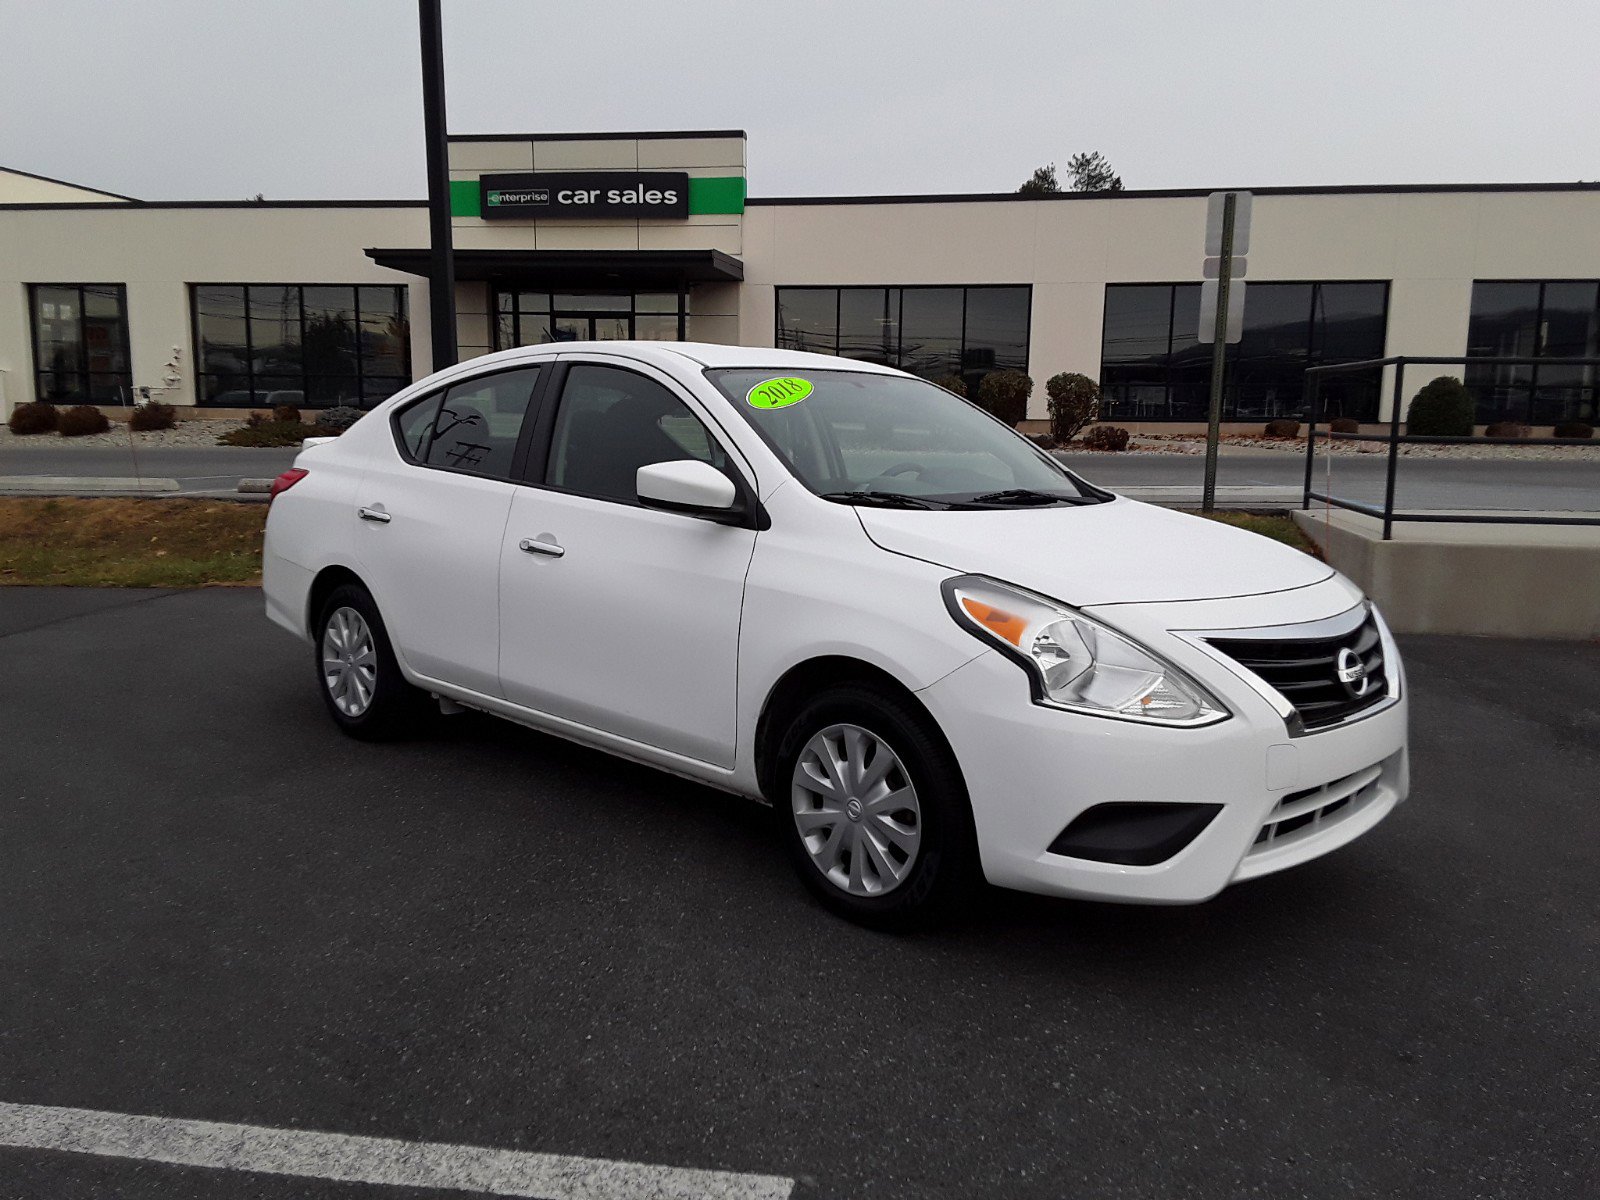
(214,907)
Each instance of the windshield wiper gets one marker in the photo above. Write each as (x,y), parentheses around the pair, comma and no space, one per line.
(881,499)
(1027,496)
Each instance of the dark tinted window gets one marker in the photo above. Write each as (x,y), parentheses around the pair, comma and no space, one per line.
(80,343)
(934,332)
(1534,319)
(612,422)
(473,426)
(1154,367)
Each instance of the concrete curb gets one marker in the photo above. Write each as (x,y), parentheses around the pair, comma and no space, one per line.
(85,485)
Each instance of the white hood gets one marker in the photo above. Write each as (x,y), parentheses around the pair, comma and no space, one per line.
(1115,553)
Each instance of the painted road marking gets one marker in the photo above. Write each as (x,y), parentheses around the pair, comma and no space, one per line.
(312,1155)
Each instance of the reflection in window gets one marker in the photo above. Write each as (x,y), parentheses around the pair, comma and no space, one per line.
(308,345)
(1155,368)
(1534,319)
(933,332)
(473,426)
(80,343)
(526,318)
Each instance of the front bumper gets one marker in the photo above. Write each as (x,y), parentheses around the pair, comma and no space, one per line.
(1031,770)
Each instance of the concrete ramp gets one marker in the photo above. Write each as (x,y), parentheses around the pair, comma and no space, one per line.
(1531,581)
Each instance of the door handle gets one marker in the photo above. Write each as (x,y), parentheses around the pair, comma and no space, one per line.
(533,546)
(374,514)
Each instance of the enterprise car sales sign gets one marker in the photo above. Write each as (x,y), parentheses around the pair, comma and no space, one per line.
(585,194)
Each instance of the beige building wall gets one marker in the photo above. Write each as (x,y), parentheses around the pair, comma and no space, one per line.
(19,187)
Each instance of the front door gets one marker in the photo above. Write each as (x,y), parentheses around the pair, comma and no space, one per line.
(612,615)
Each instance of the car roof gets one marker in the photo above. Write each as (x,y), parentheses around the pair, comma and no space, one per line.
(702,354)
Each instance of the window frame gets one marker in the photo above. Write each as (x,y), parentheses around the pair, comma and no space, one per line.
(747,511)
(525,435)
(633,312)
(406,374)
(85,396)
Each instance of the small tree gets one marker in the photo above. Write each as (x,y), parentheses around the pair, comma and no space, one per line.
(1092,173)
(1443,408)
(1005,394)
(1074,402)
(1042,183)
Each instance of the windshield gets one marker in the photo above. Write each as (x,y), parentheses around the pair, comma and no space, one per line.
(860,437)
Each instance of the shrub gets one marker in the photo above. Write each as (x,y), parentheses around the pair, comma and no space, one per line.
(1282,428)
(1005,394)
(287,413)
(1345,425)
(1507,429)
(154,415)
(340,418)
(255,420)
(1042,440)
(1575,430)
(1106,437)
(1443,408)
(953,384)
(81,420)
(33,418)
(1074,402)
(270,433)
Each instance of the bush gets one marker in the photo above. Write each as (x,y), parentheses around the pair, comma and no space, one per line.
(1443,408)
(1507,429)
(1345,425)
(953,384)
(146,418)
(1005,394)
(1074,402)
(1282,428)
(1106,437)
(33,418)
(1042,440)
(81,420)
(1574,430)
(340,418)
(270,433)
(286,413)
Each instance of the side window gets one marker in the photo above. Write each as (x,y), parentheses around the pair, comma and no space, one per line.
(612,422)
(473,426)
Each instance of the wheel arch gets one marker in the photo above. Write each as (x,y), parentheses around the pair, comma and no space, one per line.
(322,587)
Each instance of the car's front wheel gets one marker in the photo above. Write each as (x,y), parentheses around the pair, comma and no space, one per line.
(359,678)
(871,804)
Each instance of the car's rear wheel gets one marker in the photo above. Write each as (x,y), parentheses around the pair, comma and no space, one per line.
(359,678)
(871,805)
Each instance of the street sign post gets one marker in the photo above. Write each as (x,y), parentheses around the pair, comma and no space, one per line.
(1222,309)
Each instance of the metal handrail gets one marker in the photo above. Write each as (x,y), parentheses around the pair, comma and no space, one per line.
(1396,439)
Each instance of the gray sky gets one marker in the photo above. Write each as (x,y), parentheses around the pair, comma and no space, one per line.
(177,99)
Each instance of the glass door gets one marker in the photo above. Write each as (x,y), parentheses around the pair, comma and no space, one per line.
(526,318)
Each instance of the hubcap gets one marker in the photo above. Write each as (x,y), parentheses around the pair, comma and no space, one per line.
(349,662)
(856,810)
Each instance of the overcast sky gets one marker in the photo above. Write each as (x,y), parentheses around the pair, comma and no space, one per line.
(178,99)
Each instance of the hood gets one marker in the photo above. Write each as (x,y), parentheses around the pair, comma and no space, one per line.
(1120,552)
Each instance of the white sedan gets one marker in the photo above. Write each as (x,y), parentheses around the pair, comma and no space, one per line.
(938,654)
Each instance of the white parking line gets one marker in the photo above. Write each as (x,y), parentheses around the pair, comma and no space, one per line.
(313,1155)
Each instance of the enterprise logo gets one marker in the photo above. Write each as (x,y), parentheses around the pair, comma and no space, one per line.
(531,196)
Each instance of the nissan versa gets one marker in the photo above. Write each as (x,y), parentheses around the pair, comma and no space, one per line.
(937,653)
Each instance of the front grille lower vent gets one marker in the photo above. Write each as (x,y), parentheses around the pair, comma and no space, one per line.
(1306,671)
(1305,813)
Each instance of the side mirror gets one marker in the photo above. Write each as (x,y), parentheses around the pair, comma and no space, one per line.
(688,485)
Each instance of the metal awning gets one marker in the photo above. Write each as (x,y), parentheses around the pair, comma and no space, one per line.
(604,269)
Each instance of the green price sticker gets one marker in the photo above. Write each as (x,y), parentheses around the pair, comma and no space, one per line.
(778,393)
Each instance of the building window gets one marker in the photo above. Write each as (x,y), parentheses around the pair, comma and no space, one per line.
(524,318)
(1155,368)
(1534,319)
(311,345)
(934,332)
(80,343)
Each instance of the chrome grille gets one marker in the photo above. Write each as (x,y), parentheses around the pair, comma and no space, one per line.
(1305,671)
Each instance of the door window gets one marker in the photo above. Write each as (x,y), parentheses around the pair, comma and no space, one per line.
(612,422)
(473,426)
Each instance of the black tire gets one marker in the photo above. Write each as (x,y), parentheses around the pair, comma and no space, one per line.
(945,867)
(396,708)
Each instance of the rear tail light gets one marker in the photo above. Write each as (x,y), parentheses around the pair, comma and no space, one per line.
(286,481)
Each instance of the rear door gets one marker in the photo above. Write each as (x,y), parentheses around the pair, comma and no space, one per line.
(613,615)
(432,515)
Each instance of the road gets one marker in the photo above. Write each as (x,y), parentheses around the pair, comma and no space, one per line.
(1422,483)
(216,907)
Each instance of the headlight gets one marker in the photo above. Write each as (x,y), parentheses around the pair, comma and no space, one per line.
(1075,662)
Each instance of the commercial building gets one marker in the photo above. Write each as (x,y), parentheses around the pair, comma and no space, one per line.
(228,305)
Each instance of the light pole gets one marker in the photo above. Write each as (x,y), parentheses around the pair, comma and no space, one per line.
(442,263)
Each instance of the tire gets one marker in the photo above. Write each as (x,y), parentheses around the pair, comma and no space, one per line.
(870,871)
(373,701)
